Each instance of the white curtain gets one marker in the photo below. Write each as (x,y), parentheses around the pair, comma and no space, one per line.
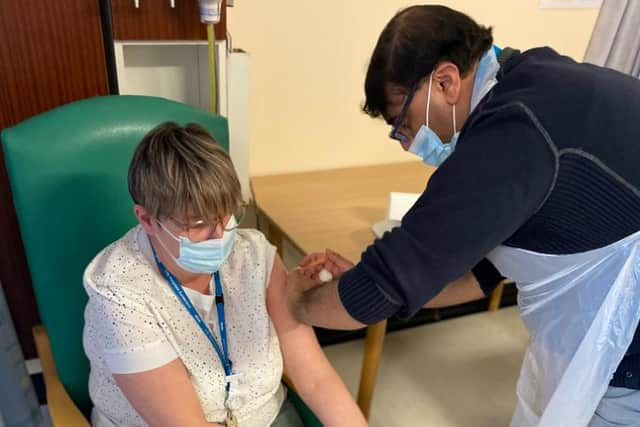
(615,42)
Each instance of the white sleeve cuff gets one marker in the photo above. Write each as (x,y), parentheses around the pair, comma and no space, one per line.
(141,358)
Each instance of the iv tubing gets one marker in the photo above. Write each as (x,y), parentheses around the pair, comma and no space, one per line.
(211,36)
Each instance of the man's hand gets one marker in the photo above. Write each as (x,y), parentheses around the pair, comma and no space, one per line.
(298,281)
(334,263)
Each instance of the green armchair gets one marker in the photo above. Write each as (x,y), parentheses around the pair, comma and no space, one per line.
(68,175)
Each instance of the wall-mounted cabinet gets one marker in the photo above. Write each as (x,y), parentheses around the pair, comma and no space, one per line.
(175,70)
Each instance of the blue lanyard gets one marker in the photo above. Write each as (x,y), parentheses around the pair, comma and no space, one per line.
(223,354)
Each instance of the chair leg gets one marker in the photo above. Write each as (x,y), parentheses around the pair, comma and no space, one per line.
(62,409)
(370,364)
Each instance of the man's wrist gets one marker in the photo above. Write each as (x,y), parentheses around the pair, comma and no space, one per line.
(363,299)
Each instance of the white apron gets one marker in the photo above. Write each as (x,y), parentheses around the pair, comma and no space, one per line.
(581,311)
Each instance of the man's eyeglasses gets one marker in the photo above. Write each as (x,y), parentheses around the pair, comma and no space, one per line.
(397,123)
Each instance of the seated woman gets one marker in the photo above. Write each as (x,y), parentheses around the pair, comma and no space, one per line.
(186,323)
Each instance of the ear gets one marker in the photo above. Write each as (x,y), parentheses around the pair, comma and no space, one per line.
(447,78)
(145,219)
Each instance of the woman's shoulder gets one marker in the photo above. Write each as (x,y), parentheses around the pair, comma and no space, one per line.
(252,241)
(121,266)
(252,254)
(251,234)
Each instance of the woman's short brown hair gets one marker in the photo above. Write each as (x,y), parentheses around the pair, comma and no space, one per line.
(182,171)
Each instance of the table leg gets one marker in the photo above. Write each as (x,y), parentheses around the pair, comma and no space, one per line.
(496,295)
(370,364)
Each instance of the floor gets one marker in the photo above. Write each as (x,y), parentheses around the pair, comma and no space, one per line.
(459,372)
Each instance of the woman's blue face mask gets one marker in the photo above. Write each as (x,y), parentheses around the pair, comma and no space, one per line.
(202,257)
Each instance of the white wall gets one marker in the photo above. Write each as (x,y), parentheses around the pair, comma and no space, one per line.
(309,58)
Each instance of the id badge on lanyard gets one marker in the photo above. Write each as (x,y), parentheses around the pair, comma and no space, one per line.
(223,353)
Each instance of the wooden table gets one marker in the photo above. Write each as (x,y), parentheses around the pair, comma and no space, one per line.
(335,209)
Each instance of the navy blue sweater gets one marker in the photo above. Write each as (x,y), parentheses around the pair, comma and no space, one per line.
(547,162)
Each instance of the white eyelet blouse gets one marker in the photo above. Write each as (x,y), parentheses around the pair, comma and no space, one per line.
(134,323)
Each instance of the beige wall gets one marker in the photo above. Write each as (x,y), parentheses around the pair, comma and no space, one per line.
(308,63)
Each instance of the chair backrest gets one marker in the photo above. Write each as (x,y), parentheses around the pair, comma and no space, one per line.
(68,175)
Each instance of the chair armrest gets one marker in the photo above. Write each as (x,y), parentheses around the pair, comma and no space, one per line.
(62,410)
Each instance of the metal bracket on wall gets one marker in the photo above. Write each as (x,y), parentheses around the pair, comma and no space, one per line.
(109,54)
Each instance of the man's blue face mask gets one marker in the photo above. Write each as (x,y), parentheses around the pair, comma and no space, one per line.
(426,144)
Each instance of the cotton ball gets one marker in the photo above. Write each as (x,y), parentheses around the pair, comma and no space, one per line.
(325,275)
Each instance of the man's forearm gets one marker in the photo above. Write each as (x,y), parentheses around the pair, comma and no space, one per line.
(462,290)
(321,306)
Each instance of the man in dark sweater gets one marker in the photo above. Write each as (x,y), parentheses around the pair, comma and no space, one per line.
(538,175)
